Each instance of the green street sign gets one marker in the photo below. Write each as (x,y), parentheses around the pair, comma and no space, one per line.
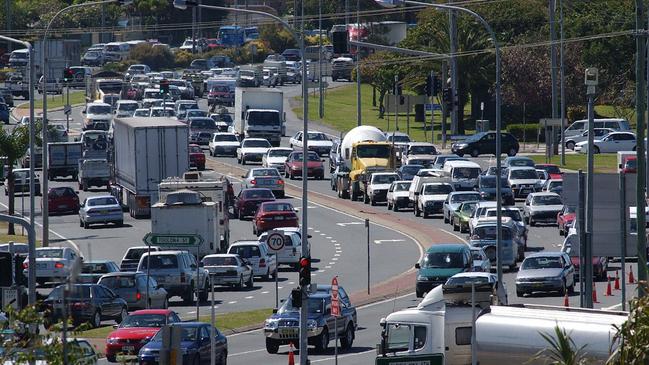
(153,239)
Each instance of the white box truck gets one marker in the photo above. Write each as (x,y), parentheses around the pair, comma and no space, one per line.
(63,159)
(211,189)
(146,151)
(259,113)
(184,213)
(439,330)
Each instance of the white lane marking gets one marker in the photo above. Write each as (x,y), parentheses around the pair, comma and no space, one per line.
(190,312)
(334,259)
(316,231)
(280,287)
(311,228)
(328,237)
(322,234)
(328,267)
(233,302)
(379,242)
(321,270)
(265,292)
(332,263)
(246,352)
(454,235)
(291,282)
(336,254)
(349,224)
(249,297)
(343,356)
(613,307)
(333,241)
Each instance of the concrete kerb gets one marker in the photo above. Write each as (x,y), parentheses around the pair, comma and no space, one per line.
(17,112)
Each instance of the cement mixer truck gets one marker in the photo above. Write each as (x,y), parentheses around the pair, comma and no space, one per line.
(364,150)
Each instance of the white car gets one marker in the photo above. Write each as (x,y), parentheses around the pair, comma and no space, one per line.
(523,180)
(377,189)
(542,208)
(228,269)
(53,264)
(276,157)
(610,143)
(552,184)
(292,251)
(418,151)
(479,212)
(97,115)
(252,149)
(318,142)
(142,112)
(398,195)
(223,143)
(454,200)
(431,198)
(126,108)
(258,256)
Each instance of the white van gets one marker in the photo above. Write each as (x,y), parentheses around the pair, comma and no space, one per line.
(579,126)
(425,176)
(119,48)
(463,174)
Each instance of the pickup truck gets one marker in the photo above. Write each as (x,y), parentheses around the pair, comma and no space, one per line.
(377,188)
(93,172)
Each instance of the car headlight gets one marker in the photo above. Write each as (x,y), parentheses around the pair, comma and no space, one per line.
(513,186)
(422,278)
(557,278)
(145,340)
(430,202)
(112,341)
(312,324)
(271,324)
(188,350)
(461,145)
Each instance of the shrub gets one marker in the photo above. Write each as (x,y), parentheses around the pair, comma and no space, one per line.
(529,131)
(158,58)
(184,58)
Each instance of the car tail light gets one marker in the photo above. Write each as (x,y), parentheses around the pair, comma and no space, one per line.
(262,263)
(59,265)
(280,182)
(182,277)
(25,265)
(138,296)
(81,305)
(253,182)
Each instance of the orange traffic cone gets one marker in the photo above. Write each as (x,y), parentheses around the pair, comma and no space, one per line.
(595,294)
(566,301)
(617,281)
(631,277)
(608,288)
(291,357)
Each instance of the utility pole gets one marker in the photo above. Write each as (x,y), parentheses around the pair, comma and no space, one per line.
(320,78)
(359,120)
(444,79)
(454,82)
(591,83)
(193,30)
(640,148)
(563,86)
(553,64)
(8,22)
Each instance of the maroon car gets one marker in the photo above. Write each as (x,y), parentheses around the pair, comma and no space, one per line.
(248,200)
(272,215)
(293,165)
(62,200)
(196,157)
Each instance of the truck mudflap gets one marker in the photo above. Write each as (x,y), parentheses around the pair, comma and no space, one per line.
(425,359)
(139,206)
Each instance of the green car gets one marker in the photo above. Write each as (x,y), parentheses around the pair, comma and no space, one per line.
(461,216)
(440,262)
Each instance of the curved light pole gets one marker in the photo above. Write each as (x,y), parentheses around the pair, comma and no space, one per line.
(45,164)
(394,3)
(184,4)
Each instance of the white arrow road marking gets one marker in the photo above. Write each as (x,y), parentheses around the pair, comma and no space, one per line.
(379,242)
(349,224)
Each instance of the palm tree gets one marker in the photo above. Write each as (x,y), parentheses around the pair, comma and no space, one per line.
(562,350)
(13,146)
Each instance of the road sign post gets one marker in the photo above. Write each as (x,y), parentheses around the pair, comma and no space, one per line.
(275,242)
(156,239)
(335,311)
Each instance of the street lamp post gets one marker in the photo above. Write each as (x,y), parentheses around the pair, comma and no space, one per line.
(481,20)
(44,174)
(184,4)
(31,283)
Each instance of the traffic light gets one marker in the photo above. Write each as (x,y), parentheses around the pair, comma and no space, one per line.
(296,298)
(305,272)
(6,276)
(68,75)
(339,40)
(447,97)
(164,86)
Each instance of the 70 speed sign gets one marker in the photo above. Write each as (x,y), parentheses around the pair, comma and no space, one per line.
(275,240)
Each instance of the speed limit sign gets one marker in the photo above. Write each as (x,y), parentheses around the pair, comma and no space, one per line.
(275,241)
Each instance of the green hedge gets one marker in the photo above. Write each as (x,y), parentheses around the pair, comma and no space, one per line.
(531,130)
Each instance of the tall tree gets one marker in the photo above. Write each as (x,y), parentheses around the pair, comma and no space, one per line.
(13,146)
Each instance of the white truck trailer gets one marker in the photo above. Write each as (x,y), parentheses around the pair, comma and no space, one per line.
(146,151)
(259,113)
(439,331)
(183,212)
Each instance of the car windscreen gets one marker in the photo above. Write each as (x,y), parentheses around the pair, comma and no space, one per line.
(383,179)
(437,189)
(547,200)
(489,182)
(475,137)
(94,268)
(265,173)
(160,262)
(372,151)
(398,139)
(255,143)
(77,292)
(489,233)
(476,255)
(402,186)
(543,262)
(462,280)
(468,208)
(523,174)
(258,194)
(318,137)
(50,253)
(144,320)
(631,164)
(466,172)
(278,207)
(443,260)
(464,197)
(196,113)
(206,123)
(297,156)
(102,201)
(118,282)
(514,214)
(99,109)
(195,149)
(189,334)
(225,138)
(411,169)
(262,118)
(135,253)
(422,150)
(279,153)
(220,261)
(316,306)
(521,162)
(129,107)
(245,251)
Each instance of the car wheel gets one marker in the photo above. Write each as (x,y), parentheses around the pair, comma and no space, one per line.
(240,214)
(455,227)
(366,198)
(348,339)
(80,223)
(111,358)
(267,276)
(519,293)
(571,288)
(240,285)
(532,223)
(425,215)
(119,223)
(272,346)
(86,225)
(395,207)
(446,220)
(250,282)
(372,202)
(243,160)
(417,211)
(570,145)
(96,320)
(512,152)
(197,360)
(323,341)
(474,153)
(419,294)
(595,149)
(122,316)
(188,296)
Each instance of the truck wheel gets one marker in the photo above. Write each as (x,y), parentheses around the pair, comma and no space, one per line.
(395,207)
(202,295)
(188,296)
(372,202)
(348,339)
(272,346)
(417,211)
(243,160)
(322,341)
(366,198)
(86,225)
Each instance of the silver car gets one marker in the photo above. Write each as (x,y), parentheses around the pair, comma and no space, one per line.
(100,209)
(229,270)
(132,287)
(265,177)
(571,142)
(545,272)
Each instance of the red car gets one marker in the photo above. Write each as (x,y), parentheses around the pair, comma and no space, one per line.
(196,157)
(248,200)
(553,170)
(565,219)
(136,330)
(272,215)
(314,165)
(600,267)
(62,200)
(629,165)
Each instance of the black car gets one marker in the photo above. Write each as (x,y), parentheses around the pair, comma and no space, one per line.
(408,172)
(91,303)
(485,143)
(487,189)
(283,327)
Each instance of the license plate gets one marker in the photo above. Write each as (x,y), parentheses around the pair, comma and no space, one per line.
(41,266)
(279,218)
(103,212)
(63,206)
(289,331)
(128,348)
(538,284)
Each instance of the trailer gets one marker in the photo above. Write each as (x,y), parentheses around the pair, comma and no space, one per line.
(146,151)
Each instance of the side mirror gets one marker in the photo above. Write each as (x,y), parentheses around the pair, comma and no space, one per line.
(417,266)
(274,310)
(158,286)
(243,176)
(416,193)
(83,112)
(201,264)
(115,326)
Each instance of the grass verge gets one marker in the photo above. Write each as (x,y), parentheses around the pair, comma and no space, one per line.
(18,237)
(58,101)
(224,322)
(604,163)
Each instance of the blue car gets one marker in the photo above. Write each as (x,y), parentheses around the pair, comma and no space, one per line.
(4,113)
(194,345)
